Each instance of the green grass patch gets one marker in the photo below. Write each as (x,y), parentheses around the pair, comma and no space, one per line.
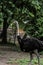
(25,61)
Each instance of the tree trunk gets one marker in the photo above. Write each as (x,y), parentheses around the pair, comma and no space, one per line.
(4,34)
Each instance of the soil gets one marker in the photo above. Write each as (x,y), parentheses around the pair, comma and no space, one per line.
(6,56)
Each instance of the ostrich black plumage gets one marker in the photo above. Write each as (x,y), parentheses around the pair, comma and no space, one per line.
(30,44)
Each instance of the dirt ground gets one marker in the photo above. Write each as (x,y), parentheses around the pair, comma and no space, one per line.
(9,55)
(6,56)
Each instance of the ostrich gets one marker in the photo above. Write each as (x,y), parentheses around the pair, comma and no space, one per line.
(29,44)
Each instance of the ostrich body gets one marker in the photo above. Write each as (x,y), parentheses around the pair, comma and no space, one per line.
(29,44)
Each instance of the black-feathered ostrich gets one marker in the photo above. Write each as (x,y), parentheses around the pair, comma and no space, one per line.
(29,44)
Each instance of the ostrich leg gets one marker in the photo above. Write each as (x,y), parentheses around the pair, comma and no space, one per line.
(38,57)
(31,57)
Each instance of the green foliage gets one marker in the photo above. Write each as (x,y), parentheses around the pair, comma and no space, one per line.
(22,10)
(35,26)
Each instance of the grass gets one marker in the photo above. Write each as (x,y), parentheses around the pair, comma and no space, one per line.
(24,61)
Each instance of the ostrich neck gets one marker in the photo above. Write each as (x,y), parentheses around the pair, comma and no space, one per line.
(17,24)
(17,29)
